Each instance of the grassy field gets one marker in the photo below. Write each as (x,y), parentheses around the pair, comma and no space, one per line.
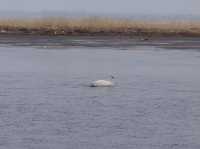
(99,27)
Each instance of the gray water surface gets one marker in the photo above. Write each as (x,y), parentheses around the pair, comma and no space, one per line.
(45,101)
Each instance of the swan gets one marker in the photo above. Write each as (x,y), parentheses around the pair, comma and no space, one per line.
(102,83)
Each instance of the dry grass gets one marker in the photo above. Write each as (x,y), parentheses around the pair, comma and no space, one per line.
(99,26)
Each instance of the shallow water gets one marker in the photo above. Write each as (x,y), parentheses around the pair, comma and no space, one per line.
(45,101)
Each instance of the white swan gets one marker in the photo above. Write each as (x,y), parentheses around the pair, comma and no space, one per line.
(102,83)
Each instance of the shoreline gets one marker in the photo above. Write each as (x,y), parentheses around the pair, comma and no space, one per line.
(134,33)
(118,42)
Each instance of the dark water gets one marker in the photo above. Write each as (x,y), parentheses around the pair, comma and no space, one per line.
(45,101)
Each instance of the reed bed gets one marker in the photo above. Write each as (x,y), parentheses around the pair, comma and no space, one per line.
(98,27)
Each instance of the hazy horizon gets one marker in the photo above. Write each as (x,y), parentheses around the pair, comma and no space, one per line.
(65,14)
(126,7)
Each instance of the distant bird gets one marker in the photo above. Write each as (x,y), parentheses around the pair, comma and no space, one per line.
(103,83)
(3,31)
(144,39)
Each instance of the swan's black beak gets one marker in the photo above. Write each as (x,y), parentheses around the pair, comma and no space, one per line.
(112,77)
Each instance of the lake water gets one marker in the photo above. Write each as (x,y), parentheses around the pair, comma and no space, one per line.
(46,103)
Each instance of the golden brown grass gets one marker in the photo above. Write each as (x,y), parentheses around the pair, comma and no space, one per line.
(99,26)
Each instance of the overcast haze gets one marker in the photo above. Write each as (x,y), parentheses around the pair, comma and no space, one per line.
(105,6)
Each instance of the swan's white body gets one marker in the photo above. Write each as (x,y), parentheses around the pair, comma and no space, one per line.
(101,83)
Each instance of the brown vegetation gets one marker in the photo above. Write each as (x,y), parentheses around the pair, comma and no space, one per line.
(98,27)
